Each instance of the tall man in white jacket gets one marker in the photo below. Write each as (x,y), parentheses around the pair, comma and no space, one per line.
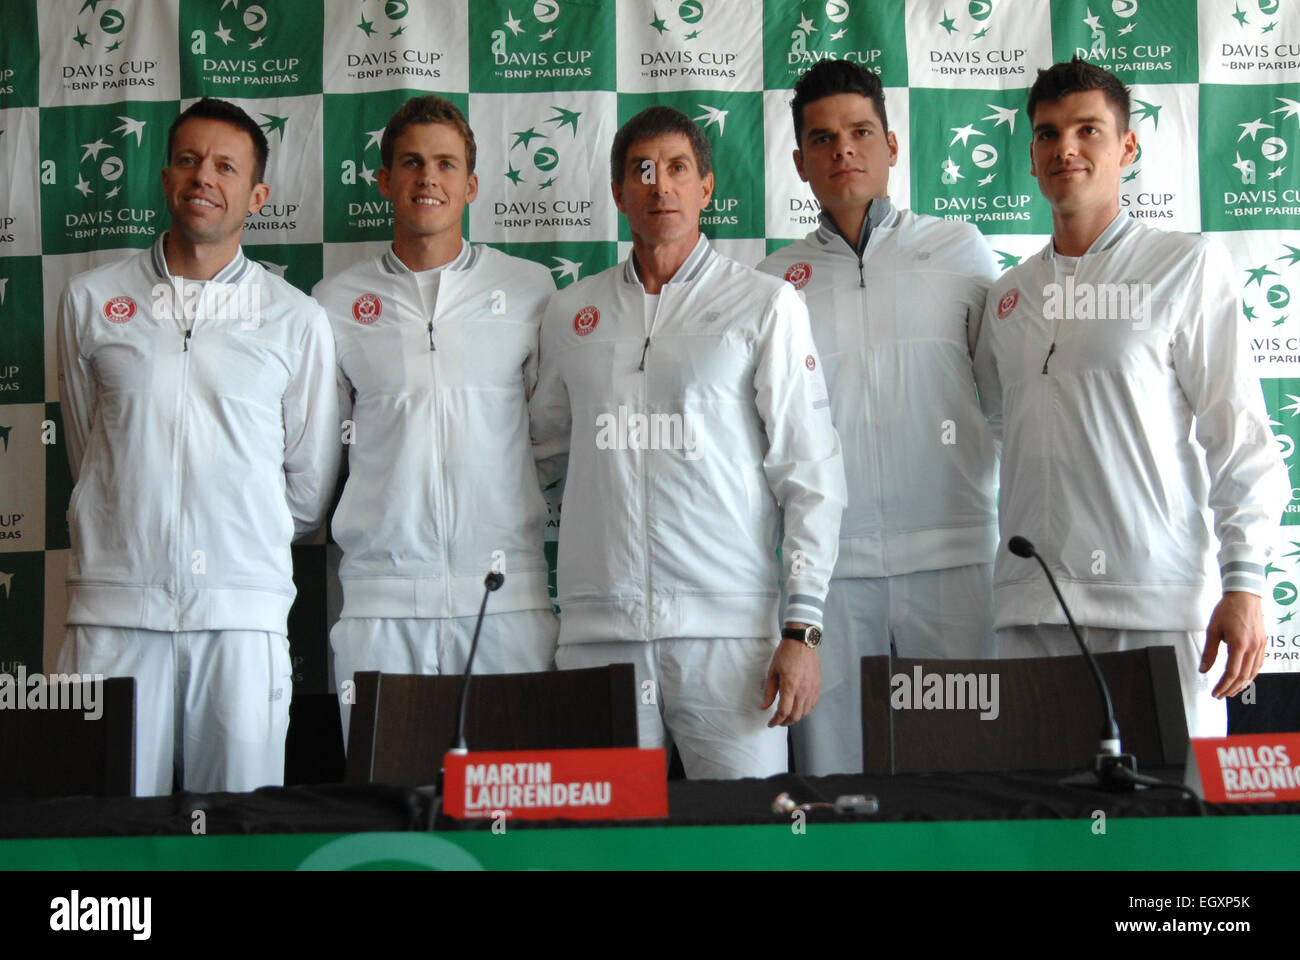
(437,353)
(688,397)
(896,300)
(198,396)
(1105,361)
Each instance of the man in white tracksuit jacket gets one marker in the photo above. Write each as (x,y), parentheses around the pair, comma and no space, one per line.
(198,395)
(1104,361)
(687,394)
(437,353)
(896,301)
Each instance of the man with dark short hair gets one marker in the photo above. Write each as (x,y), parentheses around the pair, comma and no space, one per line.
(1129,413)
(198,394)
(896,300)
(437,353)
(687,396)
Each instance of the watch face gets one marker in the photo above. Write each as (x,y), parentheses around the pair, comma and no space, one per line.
(814,637)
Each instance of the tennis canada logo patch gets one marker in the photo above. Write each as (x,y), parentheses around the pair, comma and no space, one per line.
(119,309)
(810,362)
(367,308)
(799,274)
(585,320)
(1008,303)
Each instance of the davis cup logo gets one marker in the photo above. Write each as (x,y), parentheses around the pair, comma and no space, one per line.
(799,274)
(367,308)
(1008,303)
(119,309)
(585,320)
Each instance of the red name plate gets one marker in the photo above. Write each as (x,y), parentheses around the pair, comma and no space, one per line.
(1254,768)
(621,783)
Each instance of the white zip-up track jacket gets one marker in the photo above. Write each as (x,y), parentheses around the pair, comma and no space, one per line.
(202,429)
(685,442)
(441,482)
(1128,420)
(896,331)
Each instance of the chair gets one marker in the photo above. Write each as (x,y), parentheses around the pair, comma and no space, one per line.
(61,753)
(403,724)
(1049,713)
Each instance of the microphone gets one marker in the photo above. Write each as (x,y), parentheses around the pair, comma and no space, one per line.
(492,582)
(1112,769)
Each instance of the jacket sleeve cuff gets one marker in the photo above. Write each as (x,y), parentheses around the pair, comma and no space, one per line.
(1244,575)
(804,608)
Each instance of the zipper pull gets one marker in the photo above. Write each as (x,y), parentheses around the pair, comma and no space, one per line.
(188,334)
(643,350)
(1047,359)
(431,346)
(862,279)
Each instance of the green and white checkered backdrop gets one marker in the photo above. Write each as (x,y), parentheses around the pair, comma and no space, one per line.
(89,87)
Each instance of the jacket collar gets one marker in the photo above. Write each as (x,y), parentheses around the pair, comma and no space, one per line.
(462,261)
(690,269)
(233,272)
(880,213)
(1121,225)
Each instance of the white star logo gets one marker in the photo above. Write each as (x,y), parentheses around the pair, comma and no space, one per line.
(83,185)
(1243,165)
(839,34)
(223,33)
(712,115)
(1289,108)
(1293,407)
(1093,22)
(951,169)
(964,133)
(547,35)
(985,181)
(129,127)
(367,175)
(229,3)
(113,193)
(92,150)
(1274,174)
(375,137)
(512,24)
(1126,30)
(1253,128)
(806,25)
(565,268)
(257,43)
(1002,115)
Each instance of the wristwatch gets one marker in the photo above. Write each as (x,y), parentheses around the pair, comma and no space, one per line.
(811,636)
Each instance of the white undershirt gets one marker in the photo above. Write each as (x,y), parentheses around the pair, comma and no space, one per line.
(651,308)
(428,283)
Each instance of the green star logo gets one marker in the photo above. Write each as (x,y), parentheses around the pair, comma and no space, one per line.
(273,124)
(565,118)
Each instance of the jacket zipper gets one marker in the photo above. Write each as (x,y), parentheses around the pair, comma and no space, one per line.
(178,459)
(1056,324)
(1050,534)
(439,445)
(645,470)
